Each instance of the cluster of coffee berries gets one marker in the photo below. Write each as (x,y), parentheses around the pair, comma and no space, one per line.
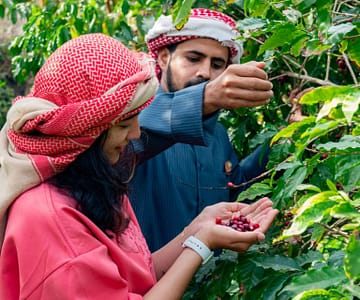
(287,218)
(239,223)
(341,65)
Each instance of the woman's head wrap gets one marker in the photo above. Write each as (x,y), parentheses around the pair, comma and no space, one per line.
(202,23)
(85,87)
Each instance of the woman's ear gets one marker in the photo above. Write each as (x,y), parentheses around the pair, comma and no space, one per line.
(163,58)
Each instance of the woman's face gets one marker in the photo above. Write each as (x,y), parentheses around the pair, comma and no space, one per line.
(119,136)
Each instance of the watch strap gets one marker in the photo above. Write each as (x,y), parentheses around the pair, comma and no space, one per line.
(199,247)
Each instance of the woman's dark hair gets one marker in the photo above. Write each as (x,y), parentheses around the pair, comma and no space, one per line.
(98,186)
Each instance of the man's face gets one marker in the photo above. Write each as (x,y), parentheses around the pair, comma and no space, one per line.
(192,62)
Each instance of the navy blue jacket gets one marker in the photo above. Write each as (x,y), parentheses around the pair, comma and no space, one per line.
(170,189)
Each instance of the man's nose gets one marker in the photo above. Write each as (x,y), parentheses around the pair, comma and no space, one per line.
(204,70)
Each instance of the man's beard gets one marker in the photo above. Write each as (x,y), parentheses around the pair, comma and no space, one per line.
(170,84)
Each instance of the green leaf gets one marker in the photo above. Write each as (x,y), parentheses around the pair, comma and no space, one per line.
(13,15)
(347,170)
(325,94)
(313,210)
(331,185)
(293,178)
(287,184)
(320,129)
(298,46)
(146,23)
(278,154)
(351,227)
(345,210)
(2,11)
(304,5)
(182,16)
(350,105)
(353,289)
(356,130)
(315,279)
(319,294)
(273,284)
(250,24)
(353,50)
(289,131)
(324,11)
(346,96)
(336,259)
(255,7)
(125,7)
(308,258)
(308,187)
(277,263)
(352,258)
(346,142)
(254,191)
(327,196)
(315,47)
(337,32)
(292,14)
(284,33)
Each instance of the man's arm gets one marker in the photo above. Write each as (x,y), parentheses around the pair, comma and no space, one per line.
(174,118)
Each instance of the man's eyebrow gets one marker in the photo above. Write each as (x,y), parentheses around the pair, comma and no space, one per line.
(217,59)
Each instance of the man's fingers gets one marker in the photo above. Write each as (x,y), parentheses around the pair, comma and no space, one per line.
(247,83)
(258,64)
(254,70)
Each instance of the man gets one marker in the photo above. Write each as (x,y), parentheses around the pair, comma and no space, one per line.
(199,75)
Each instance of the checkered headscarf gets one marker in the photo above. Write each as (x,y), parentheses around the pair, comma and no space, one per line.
(202,23)
(86,86)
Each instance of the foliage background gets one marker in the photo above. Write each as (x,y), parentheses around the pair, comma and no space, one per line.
(313,177)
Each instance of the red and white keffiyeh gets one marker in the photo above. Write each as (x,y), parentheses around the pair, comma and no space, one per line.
(86,86)
(202,23)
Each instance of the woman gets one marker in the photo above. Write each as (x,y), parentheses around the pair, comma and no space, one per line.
(71,233)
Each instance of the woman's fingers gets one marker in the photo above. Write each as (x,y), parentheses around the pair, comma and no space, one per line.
(227,236)
(256,207)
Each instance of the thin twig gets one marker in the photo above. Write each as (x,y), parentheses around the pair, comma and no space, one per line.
(337,231)
(347,62)
(265,174)
(328,66)
(310,79)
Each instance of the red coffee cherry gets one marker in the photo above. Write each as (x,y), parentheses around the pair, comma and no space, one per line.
(239,223)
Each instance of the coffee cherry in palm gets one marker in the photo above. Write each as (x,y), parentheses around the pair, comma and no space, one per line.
(239,223)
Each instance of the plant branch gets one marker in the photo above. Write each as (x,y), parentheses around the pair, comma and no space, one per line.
(336,231)
(347,62)
(309,79)
(328,66)
(263,175)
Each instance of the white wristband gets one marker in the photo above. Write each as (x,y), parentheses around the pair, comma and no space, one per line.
(199,247)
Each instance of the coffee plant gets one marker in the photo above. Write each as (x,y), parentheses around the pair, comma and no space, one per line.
(311,49)
(7,93)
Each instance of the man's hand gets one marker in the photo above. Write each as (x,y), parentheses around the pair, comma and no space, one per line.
(240,85)
(295,114)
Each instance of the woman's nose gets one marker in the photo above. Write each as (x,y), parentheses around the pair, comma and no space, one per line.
(134,131)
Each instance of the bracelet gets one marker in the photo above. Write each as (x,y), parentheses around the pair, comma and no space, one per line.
(199,247)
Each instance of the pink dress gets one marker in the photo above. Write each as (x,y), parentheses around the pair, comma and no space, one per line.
(52,251)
